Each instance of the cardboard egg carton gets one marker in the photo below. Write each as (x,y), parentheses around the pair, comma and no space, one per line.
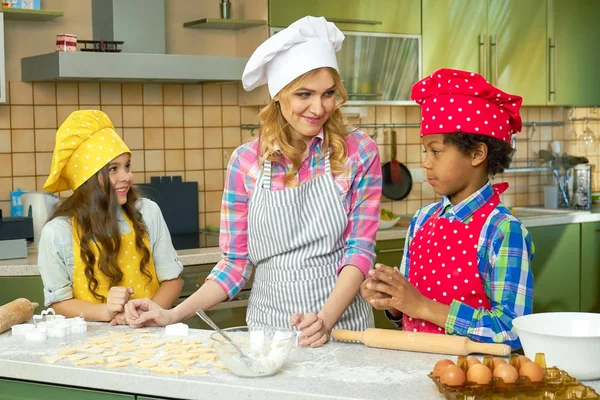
(556,384)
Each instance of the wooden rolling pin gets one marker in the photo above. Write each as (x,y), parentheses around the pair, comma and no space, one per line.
(418,341)
(15,312)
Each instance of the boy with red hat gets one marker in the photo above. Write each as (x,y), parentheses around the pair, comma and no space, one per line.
(466,266)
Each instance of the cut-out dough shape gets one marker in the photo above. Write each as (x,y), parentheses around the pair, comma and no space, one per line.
(116,365)
(52,359)
(219,366)
(90,361)
(196,371)
(76,357)
(67,351)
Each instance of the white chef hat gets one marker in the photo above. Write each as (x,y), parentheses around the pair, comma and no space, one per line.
(307,44)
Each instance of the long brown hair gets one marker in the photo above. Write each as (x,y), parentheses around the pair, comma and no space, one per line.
(94,207)
(276,136)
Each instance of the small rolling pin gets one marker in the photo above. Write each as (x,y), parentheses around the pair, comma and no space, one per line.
(15,312)
(419,341)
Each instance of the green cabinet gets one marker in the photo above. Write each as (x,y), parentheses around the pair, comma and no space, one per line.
(29,287)
(390,16)
(573,28)
(12,389)
(556,268)
(503,40)
(590,267)
(390,253)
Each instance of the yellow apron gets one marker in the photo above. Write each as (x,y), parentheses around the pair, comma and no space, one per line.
(128,261)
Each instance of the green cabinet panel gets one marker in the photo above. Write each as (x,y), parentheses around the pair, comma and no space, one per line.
(20,390)
(453,35)
(149,398)
(517,44)
(389,252)
(573,28)
(29,287)
(590,267)
(556,268)
(391,16)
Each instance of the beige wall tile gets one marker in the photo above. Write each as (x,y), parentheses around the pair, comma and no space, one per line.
(89,93)
(229,94)
(21,117)
(202,220)
(4,117)
(174,160)
(213,158)
(231,116)
(226,157)
(213,218)
(533,114)
(398,115)
(211,94)
(192,95)
(133,116)
(45,116)
(192,116)
(153,116)
(257,97)
(173,94)
(173,116)
(21,93)
(23,140)
(231,137)
(194,138)
(382,114)
(44,93)
(249,135)
(115,113)
(195,176)
(154,138)
(153,94)
(212,116)
(249,115)
(134,138)
(413,115)
(7,163)
(174,138)
(110,93)
(23,164)
(25,183)
(412,206)
(5,207)
(43,161)
(63,112)
(40,181)
(213,138)
(132,94)
(194,160)
(213,201)
(6,186)
(137,165)
(154,160)
(45,139)
(413,135)
(67,93)
(5,141)
(399,207)
(214,182)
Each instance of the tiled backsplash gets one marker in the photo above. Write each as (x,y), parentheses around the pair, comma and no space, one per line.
(191,130)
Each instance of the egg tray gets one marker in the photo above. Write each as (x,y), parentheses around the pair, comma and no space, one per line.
(556,385)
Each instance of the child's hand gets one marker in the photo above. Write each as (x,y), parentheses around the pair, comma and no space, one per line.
(116,299)
(399,293)
(313,330)
(369,294)
(119,319)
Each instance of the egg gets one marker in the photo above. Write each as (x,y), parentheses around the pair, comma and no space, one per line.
(524,360)
(497,361)
(472,361)
(440,365)
(480,374)
(452,375)
(506,372)
(533,371)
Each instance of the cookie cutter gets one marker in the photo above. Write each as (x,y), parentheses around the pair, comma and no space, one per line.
(47,316)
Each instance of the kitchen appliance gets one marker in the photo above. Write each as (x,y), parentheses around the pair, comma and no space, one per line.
(581,192)
(420,341)
(38,205)
(14,234)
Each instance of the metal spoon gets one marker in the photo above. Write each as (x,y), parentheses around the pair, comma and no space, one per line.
(210,322)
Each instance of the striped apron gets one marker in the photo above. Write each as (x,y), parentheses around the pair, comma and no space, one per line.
(296,241)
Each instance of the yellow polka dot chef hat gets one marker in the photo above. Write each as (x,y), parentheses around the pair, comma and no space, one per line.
(85,143)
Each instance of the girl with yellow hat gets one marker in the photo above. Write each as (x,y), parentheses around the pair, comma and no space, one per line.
(104,244)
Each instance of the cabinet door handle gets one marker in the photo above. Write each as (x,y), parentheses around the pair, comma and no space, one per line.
(552,65)
(366,94)
(354,21)
(389,250)
(483,55)
(494,67)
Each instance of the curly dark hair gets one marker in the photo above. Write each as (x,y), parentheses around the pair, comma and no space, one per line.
(499,153)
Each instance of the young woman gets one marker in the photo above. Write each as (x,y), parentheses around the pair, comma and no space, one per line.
(301,203)
(104,244)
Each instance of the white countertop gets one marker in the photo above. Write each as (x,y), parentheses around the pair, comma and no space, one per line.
(531,217)
(335,371)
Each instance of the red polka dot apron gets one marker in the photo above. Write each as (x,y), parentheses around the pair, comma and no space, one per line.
(444,262)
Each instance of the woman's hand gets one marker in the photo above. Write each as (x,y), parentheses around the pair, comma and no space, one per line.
(116,299)
(314,331)
(398,293)
(145,312)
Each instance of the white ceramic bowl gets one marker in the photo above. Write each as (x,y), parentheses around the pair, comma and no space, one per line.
(388,224)
(267,349)
(570,341)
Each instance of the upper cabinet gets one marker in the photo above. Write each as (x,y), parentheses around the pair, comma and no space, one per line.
(388,16)
(573,31)
(503,40)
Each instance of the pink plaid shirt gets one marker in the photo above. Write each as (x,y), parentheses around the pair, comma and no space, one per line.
(359,188)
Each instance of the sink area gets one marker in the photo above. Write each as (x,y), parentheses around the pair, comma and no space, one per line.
(532,212)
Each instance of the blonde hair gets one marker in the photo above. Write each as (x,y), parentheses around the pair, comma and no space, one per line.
(276,140)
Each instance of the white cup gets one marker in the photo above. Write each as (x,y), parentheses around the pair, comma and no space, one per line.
(551,196)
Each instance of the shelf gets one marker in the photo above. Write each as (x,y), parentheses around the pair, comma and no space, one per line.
(226,24)
(22,14)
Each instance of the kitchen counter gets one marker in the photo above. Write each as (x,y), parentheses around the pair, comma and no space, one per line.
(335,371)
(531,217)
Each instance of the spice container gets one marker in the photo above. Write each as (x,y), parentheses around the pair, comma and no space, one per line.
(66,42)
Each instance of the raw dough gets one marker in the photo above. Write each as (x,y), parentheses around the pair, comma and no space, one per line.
(167,370)
(199,350)
(196,371)
(94,350)
(90,361)
(67,351)
(76,357)
(173,340)
(145,352)
(110,352)
(219,365)
(207,357)
(52,359)
(147,364)
(116,365)
(186,363)
(150,335)
(116,359)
